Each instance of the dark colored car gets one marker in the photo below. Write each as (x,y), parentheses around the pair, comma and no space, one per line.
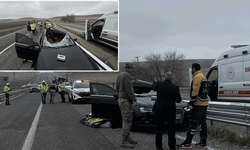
(33,88)
(105,105)
(57,51)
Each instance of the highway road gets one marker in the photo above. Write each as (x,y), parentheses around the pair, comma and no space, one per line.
(8,56)
(28,124)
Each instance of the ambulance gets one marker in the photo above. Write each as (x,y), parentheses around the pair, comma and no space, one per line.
(229,75)
(104,30)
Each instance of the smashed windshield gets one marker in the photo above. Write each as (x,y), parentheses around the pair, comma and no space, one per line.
(57,41)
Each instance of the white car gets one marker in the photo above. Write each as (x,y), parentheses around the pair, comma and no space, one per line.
(79,92)
(67,86)
(104,30)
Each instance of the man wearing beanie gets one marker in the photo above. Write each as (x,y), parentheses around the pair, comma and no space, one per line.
(126,95)
(199,102)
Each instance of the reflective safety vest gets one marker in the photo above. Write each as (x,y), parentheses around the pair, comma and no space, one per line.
(33,26)
(47,25)
(43,88)
(7,89)
(61,87)
(55,25)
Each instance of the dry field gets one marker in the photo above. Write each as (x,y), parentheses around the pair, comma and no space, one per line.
(12,23)
(82,18)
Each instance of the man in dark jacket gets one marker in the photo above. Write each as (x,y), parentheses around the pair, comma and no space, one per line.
(165,109)
(29,29)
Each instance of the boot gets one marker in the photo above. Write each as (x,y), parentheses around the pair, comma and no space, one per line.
(125,143)
(131,141)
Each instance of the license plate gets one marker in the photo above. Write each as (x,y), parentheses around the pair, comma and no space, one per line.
(178,116)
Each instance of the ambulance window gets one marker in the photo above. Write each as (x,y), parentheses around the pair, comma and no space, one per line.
(99,23)
(213,74)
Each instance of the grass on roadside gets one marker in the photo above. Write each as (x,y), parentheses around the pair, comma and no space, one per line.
(228,136)
(94,43)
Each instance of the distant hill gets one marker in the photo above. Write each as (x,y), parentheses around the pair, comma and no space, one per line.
(81,16)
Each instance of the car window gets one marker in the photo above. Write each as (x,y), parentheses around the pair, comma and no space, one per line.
(23,39)
(67,83)
(81,85)
(66,41)
(100,89)
(99,23)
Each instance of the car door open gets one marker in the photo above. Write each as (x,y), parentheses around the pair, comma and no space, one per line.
(26,48)
(87,30)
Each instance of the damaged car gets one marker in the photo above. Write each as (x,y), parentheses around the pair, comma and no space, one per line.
(57,51)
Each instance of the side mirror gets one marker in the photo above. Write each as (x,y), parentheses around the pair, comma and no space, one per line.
(116,95)
(75,39)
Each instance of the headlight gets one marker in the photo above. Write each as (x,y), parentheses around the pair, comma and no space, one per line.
(145,110)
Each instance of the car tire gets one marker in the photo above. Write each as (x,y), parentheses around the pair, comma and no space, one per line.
(134,124)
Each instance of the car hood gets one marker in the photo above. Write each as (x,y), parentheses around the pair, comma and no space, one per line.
(75,59)
(148,102)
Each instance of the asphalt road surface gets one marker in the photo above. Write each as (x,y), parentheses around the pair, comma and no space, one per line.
(8,56)
(28,124)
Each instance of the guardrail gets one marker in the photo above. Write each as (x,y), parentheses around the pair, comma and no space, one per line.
(229,112)
(2,96)
(11,29)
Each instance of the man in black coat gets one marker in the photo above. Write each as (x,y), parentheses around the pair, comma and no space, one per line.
(29,29)
(165,109)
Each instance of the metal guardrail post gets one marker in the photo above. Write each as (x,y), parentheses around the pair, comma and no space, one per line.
(212,124)
(248,132)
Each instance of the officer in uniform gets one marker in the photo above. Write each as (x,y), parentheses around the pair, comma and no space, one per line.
(125,91)
(199,102)
(52,90)
(7,93)
(61,90)
(43,89)
(54,25)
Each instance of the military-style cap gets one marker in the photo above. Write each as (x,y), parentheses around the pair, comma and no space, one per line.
(129,65)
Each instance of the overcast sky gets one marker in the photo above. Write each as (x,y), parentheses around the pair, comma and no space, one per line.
(200,29)
(49,9)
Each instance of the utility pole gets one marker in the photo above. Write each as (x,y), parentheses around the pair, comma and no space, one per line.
(137,57)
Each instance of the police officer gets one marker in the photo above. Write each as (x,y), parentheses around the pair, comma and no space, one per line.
(52,90)
(54,25)
(61,90)
(199,102)
(43,89)
(33,28)
(7,93)
(125,91)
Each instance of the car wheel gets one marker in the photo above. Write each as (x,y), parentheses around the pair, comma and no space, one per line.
(69,99)
(134,124)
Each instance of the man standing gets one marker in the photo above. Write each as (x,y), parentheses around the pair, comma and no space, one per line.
(165,109)
(43,89)
(125,91)
(29,30)
(33,28)
(61,90)
(199,102)
(7,93)
(52,90)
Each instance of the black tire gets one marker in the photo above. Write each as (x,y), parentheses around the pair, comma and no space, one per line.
(134,124)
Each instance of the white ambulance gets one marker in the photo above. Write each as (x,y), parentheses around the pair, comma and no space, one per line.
(104,30)
(229,75)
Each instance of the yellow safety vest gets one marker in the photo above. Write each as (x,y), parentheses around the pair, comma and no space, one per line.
(7,89)
(61,86)
(43,88)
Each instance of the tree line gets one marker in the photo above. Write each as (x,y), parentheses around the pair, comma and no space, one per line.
(68,18)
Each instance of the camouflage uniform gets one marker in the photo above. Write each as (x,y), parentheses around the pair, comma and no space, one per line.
(125,90)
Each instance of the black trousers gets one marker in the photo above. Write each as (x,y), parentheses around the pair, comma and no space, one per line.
(43,97)
(7,101)
(160,123)
(62,96)
(198,118)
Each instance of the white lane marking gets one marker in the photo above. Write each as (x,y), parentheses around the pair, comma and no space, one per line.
(9,46)
(194,142)
(31,135)
(14,97)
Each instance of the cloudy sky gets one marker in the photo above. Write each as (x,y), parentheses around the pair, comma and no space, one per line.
(49,9)
(200,29)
